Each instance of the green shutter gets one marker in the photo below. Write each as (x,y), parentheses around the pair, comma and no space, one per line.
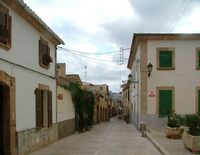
(165,102)
(166,59)
(198,54)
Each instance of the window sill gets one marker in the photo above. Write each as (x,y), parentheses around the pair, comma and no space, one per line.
(4,46)
(166,68)
(44,66)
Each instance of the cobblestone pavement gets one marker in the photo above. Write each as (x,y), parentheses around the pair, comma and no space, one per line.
(110,138)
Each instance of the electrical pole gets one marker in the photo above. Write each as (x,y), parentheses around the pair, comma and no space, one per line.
(85,73)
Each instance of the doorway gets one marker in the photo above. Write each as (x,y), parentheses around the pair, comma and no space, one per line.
(7,115)
(4,118)
(165,101)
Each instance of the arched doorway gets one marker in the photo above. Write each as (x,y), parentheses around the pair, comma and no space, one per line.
(7,115)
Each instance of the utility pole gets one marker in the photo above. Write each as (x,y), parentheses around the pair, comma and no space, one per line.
(121,56)
(85,73)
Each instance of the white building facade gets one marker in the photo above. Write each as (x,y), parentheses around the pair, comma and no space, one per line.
(173,84)
(28,79)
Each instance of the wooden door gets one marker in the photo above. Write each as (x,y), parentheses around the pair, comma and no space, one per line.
(165,102)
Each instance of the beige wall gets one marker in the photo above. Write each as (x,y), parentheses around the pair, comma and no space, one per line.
(65,107)
(61,69)
(185,78)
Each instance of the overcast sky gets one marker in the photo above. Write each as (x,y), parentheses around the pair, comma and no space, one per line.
(103,26)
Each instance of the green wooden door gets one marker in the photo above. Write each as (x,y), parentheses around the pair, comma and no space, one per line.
(165,102)
(199,101)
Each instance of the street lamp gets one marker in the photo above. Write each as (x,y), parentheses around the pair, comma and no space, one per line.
(130,78)
(149,68)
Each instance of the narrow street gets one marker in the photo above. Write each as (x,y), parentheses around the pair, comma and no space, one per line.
(110,138)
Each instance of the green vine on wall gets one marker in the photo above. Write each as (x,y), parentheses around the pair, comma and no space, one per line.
(84,104)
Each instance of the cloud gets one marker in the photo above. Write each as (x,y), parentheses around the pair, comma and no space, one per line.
(150,16)
(106,25)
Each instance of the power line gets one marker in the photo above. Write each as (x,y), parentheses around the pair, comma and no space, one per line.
(87,56)
(86,61)
(81,52)
(181,13)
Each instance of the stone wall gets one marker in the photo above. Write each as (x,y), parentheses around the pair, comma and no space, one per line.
(33,139)
(66,128)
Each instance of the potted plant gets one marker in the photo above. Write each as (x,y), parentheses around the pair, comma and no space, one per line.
(173,129)
(191,138)
(47,59)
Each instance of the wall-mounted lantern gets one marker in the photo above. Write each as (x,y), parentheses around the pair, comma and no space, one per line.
(130,79)
(149,68)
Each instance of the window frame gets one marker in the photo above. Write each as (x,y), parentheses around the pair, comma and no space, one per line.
(8,18)
(197,58)
(197,99)
(43,44)
(41,115)
(172,49)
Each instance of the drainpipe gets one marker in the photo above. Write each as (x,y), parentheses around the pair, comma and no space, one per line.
(138,94)
(56,75)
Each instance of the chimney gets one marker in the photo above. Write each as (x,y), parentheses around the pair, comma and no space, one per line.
(61,69)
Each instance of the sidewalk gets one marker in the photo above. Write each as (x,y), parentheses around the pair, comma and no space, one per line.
(110,138)
(166,145)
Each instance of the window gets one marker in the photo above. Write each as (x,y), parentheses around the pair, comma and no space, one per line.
(43,108)
(198,58)
(5,27)
(44,54)
(198,100)
(165,58)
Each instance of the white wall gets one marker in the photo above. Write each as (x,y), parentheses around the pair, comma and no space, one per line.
(26,83)
(185,77)
(25,46)
(135,94)
(65,107)
(25,52)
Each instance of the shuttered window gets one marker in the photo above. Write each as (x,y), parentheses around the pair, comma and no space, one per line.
(39,108)
(43,110)
(5,27)
(44,54)
(198,104)
(49,108)
(198,58)
(165,58)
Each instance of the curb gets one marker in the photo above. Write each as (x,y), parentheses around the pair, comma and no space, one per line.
(157,145)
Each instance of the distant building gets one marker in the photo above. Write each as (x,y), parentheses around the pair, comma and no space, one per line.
(74,78)
(102,101)
(173,84)
(126,109)
(116,103)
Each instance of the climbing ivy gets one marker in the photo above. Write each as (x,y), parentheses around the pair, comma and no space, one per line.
(84,104)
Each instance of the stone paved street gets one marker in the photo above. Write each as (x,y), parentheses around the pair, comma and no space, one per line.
(110,138)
